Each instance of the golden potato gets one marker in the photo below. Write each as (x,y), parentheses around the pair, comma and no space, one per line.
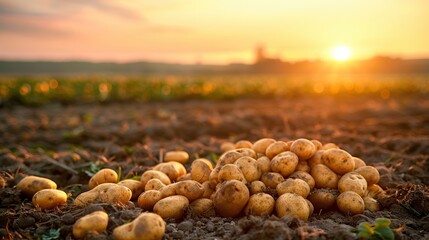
(264,164)
(227,146)
(103,176)
(134,185)
(231,172)
(329,146)
(246,152)
(359,162)
(260,204)
(375,191)
(322,199)
(249,167)
(49,198)
(290,204)
(303,148)
(297,186)
(171,207)
(148,199)
(339,161)
(229,157)
(230,198)
(324,177)
(201,169)
(310,206)
(303,166)
(154,174)
(261,145)
(29,185)
(214,177)
(257,187)
(272,179)
(190,189)
(371,204)
(275,148)
(185,177)
(105,192)
(317,144)
(350,203)
(203,206)
(147,226)
(154,184)
(243,144)
(315,159)
(174,170)
(93,222)
(304,176)
(352,181)
(208,190)
(176,156)
(284,163)
(168,190)
(370,173)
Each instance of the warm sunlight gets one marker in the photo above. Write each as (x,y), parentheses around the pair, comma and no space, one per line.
(341,53)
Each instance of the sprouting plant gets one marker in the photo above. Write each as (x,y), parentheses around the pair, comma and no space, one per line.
(93,168)
(51,235)
(379,230)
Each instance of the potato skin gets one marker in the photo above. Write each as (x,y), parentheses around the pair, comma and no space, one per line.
(371,204)
(303,166)
(147,226)
(229,157)
(261,145)
(370,173)
(324,177)
(243,144)
(257,187)
(103,176)
(154,184)
(171,207)
(375,191)
(322,199)
(303,148)
(315,159)
(272,179)
(231,198)
(151,174)
(260,204)
(134,185)
(105,192)
(208,191)
(290,204)
(249,167)
(227,146)
(339,161)
(284,163)
(93,222)
(350,203)
(200,170)
(359,162)
(174,170)
(231,172)
(176,156)
(275,148)
(148,199)
(297,186)
(352,181)
(203,206)
(190,189)
(317,144)
(304,176)
(49,198)
(264,164)
(29,185)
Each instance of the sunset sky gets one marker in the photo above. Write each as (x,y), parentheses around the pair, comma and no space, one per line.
(210,31)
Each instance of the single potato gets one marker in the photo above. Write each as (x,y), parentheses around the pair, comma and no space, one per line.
(370,173)
(324,177)
(303,166)
(359,163)
(297,186)
(272,179)
(315,159)
(29,185)
(290,204)
(350,203)
(190,189)
(229,157)
(249,168)
(322,199)
(352,181)
(303,148)
(93,222)
(243,144)
(105,192)
(151,174)
(264,164)
(134,185)
(275,148)
(310,206)
(147,226)
(284,163)
(148,199)
(227,146)
(339,161)
(208,190)
(201,169)
(304,176)
(231,172)
(257,187)
(371,204)
(247,152)
(261,145)
(260,204)
(231,198)
(375,191)
(317,144)
(203,206)
(49,198)
(176,156)
(154,184)
(174,170)
(171,207)
(329,146)
(103,176)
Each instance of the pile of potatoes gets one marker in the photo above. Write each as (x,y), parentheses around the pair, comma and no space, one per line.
(288,178)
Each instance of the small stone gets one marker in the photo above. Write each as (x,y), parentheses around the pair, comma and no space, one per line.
(179,234)
(210,227)
(185,226)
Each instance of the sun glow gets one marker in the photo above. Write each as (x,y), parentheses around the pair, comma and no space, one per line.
(341,53)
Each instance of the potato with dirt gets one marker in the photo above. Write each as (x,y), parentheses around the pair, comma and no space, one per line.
(95,222)
(261,145)
(103,176)
(284,163)
(370,173)
(338,160)
(208,190)
(243,144)
(106,193)
(350,203)
(260,204)
(315,159)
(272,179)
(352,181)
(291,185)
(264,164)
(229,157)
(147,226)
(49,198)
(171,207)
(304,176)
(275,148)
(231,172)
(203,207)
(148,199)
(176,156)
(29,185)
(303,148)
(201,169)
(324,177)
(371,204)
(230,199)
(154,174)
(290,204)
(174,170)
(359,162)
(303,166)
(154,184)
(322,199)
(257,187)
(249,168)
(190,189)
(134,185)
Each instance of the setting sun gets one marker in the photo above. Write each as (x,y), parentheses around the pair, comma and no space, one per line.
(341,53)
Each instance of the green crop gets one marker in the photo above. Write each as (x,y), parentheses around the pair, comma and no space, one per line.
(379,230)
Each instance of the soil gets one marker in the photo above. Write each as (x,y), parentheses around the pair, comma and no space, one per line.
(65,143)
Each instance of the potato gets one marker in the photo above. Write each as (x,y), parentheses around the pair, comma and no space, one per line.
(105,192)
(304,176)
(227,146)
(264,164)
(94,222)
(371,204)
(324,177)
(249,167)
(29,185)
(375,191)
(352,181)
(229,157)
(257,187)
(358,162)
(201,169)
(147,226)
(208,190)
(203,206)
(370,173)
(243,144)
(174,170)
(322,199)
(49,198)
(272,179)
(261,145)
(176,156)
(303,148)
(246,152)
(171,207)
(350,203)
(154,184)
(260,204)
(276,148)
(168,190)
(214,177)
(154,174)
(290,204)
(103,176)
(134,185)
(230,198)
(231,172)
(329,146)
(339,161)
(297,186)
(284,163)
(190,189)
(315,159)
(148,199)
(185,177)
(303,166)
(317,144)
(310,206)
